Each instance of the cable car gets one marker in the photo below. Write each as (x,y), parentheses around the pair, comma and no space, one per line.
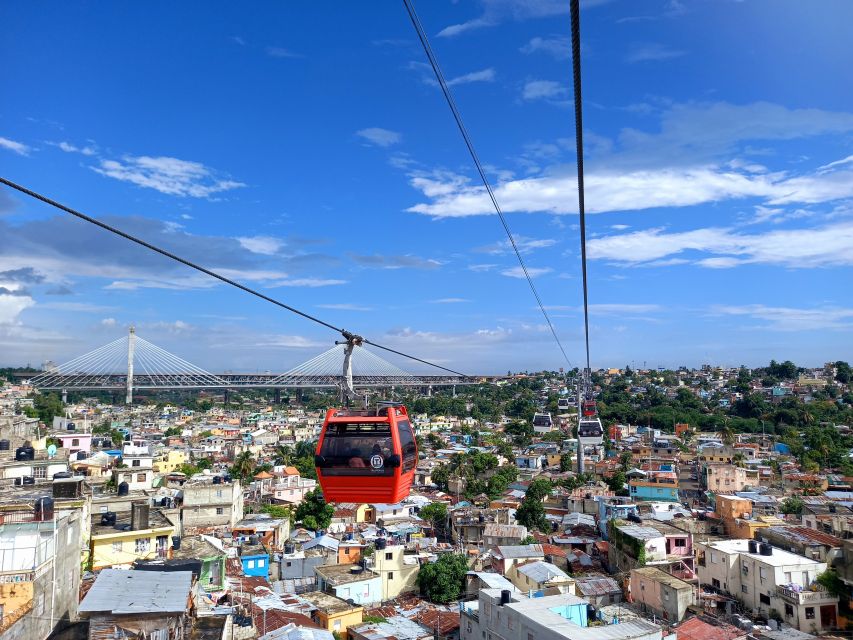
(366,455)
(590,431)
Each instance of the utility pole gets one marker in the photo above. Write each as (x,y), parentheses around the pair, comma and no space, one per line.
(131,345)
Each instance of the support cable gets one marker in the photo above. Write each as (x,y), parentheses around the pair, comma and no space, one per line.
(576,75)
(127,236)
(448,96)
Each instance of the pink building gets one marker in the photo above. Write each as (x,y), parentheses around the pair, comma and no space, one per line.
(75,441)
(290,487)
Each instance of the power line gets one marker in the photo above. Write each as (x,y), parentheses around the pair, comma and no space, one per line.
(413,16)
(127,236)
(576,73)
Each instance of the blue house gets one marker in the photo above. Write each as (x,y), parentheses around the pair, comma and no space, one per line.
(614,509)
(255,560)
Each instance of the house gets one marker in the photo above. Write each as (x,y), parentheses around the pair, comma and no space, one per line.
(505,556)
(208,552)
(514,616)
(614,508)
(738,518)
(398,572)
(120,538)
(170,461)
(765,578)
(74,441)
(272,532)
(706,628)
(661,593)
(653,485)
(634,545)
(291,487)
(350,582)
(332,613)
(211,503)
(39,567)
(392,628)
(728,478)
(804,541)
(255,560)
(131,603)
(495,535)
(536,576)
(598,590)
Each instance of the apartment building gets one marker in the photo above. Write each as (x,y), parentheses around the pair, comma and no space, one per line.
(661,593)
(209,502)
(513,616)
(767,579)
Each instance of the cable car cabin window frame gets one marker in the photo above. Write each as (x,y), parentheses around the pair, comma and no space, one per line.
(408,445)
(346,431)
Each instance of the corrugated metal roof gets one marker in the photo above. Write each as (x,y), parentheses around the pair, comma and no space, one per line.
(130,592)
(541,572)
(597,585)
(521,551)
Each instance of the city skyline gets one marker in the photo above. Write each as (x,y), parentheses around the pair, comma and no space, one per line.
(310,155)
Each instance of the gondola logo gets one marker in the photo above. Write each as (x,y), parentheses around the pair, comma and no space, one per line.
(376,462)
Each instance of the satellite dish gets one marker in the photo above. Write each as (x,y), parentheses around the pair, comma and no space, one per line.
(51,450)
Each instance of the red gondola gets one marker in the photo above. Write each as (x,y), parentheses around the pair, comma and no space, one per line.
(366,456)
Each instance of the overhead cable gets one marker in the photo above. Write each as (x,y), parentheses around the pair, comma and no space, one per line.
(576,73)
(127,236)
(448,96)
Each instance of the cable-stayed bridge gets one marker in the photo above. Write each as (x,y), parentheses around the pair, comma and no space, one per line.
(132,363)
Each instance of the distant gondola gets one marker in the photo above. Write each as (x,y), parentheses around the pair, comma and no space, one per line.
(366,455)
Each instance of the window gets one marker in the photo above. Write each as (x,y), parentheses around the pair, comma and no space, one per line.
(715,583)
(789,611)
(289,564)
(75,442)
(349,447)
(219,493)
(117,546)
(714,558)
(337,625)
(136,463)
(390,575)
(142,545)
(389,556)
(744,588)
(744,569)
(666,595)
(787,577)
(809,613)
(805,578)
(250,564)
(764,598)
(39,472)
(219,511)
(140,477)
(260,563)
(407,445)
(680,542)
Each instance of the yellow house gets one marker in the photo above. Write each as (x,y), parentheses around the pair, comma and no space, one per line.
(397,571)
(332,613)
(127,539)
(170,461)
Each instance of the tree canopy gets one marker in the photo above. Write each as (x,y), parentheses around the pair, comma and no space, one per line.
(443,581)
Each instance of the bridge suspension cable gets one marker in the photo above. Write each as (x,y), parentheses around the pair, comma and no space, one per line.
(348,335)
(457,116)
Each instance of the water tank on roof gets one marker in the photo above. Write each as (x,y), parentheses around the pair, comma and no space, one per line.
(765,549)
(5,445)
(71,426)
(176,543)
(29,480)
(753,546)
(288,548)
(381,543)
(123,489)
(506,596)
(217,479)
(108,519)
(253,539)
(25,453)
(43,509)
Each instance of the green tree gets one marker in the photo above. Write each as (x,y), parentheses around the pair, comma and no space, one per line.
(566,462)
(314,512)
(172,431)
(843,372)
(283,455)
(792,505)
(531,512)
(243,467)
(435,513)
(616,482)
(443,581)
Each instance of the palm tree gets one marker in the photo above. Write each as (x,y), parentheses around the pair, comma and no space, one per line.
(738,459)
(283,455)
(244,466)
(727,434)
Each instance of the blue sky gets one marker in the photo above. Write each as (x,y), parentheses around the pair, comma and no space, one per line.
(304,149)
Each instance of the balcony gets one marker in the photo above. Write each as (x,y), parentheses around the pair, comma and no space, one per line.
(820,596)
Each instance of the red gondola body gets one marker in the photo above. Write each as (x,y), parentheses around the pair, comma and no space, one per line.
(366,456)
(589,408)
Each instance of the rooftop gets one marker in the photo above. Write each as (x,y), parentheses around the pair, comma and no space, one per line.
(339,574)
(328,603)
(658,575)
(779,558)
(156,520)
(132,592)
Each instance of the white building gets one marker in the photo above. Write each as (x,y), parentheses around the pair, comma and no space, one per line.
(765,578)
(557,617)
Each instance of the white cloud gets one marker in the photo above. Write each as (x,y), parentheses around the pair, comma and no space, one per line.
(480,268)
(827,246)
(380,137)
(485,75)
(264,245)
(620,227)
(558,47)
(67,147)
(288,342)
(11,307)
(307,282)
(281,52)
(16,147)
(533,272)
(497,11)
(449,300)
(651,52)
(837,163)
(524,245)
(792,319)
(109,323)
(167,175)
(543,90)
